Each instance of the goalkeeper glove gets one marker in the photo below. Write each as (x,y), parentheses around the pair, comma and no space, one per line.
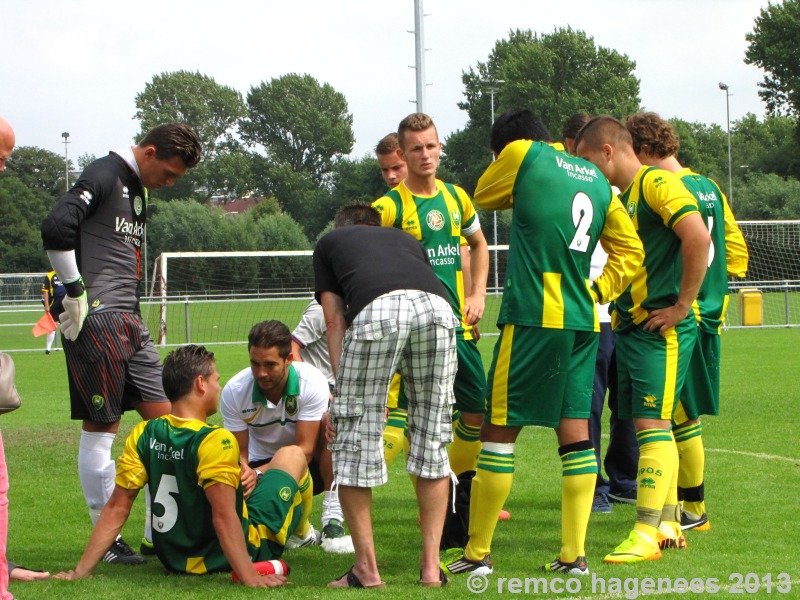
(76,307)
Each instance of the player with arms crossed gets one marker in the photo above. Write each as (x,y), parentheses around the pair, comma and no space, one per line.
(656,143)
(438,214)
(93,237)
(201,522)
(656,331)
(543,367)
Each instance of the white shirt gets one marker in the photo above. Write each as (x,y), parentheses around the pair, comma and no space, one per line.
(273,426)
(312,336)
(599,258)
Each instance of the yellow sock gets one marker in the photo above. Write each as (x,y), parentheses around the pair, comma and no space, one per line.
(656,463)
(465,447)
(579,475)
(692,466)
(307,495)
(394,434)
(671,514)
(490,489)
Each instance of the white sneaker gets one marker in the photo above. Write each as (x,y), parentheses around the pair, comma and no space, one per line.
(313,538)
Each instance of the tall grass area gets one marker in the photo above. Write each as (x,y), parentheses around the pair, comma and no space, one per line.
(752,487)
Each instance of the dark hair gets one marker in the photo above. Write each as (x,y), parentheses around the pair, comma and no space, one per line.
(414,122)
(271,334)
(574,125)
(174,139)
(182,367)
(357,213)
(647,128)
(388,144)
(517,124)
(603,130)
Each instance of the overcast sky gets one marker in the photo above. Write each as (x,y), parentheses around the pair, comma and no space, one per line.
(77,65)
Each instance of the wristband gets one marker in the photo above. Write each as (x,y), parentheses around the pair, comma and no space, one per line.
(76,288)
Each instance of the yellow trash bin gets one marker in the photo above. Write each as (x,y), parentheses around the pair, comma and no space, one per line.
(751,307)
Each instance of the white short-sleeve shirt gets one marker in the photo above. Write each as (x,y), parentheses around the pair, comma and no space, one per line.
(273,426)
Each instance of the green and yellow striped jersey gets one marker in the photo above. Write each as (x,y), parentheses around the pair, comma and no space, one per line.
(438,222)
(656,201)
(178,458)
(563,206)
(727,255)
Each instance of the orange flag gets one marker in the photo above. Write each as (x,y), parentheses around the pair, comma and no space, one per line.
(45,325)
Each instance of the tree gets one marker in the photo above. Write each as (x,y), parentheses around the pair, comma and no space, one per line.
(774,47)
(23,209)
(704,148)
(554,75)
(299,123)
(39,169)
(213,111)
(767,197)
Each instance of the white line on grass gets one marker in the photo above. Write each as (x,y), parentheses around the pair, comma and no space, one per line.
(754,454)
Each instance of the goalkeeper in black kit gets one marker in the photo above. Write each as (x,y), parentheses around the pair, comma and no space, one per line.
(93,237)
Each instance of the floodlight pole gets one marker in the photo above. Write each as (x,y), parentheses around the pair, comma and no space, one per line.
(65,135)
(724,87)
(419,53)
(492,83)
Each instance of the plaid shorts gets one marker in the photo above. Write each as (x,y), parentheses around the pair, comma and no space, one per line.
(414,333)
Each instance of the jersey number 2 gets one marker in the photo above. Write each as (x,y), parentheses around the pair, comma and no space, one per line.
(167,487)
(582,213)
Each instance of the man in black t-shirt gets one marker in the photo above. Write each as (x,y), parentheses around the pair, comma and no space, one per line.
(386,311)
(93,237)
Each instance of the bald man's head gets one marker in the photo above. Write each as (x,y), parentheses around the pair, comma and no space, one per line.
(7,142)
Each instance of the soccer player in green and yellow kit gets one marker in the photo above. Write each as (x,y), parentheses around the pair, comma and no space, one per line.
(656,331)
(543,368)
(656,143)
(438,214)
(201,522)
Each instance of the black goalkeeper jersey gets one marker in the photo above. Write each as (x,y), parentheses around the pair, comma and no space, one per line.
(102,218)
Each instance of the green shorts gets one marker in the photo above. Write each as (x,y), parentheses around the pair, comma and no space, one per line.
(273,511)
(700,394)
(469,387)
(651,369)
(539,376)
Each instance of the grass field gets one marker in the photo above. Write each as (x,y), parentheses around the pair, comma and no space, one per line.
(752,487)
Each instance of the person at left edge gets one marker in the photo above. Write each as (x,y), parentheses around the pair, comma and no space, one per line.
(93,237)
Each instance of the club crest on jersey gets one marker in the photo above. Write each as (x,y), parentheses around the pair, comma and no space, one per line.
(285,494)
(291,405)
(98,401)
(435,220)
(631,209)
(137,205)
(455,218)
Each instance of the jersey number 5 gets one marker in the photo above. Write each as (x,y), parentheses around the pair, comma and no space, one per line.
(166,487)
(582,213)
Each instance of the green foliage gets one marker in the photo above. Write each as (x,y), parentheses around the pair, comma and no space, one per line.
(211,109)
(300,123)
(768,146)
(774,47)
(704,148)
(766,196)
(39,169)
(554,75)
(22,210)
(186,226)
(85,159)
(356,180)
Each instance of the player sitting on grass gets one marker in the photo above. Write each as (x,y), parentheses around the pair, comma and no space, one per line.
(192,468)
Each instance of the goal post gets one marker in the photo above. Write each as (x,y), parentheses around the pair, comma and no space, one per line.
(210,280)
(215,297)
